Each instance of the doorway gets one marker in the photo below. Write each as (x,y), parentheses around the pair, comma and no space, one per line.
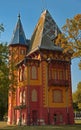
(34,117)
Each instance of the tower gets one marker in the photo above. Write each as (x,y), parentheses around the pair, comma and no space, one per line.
(18,44)
(17,51)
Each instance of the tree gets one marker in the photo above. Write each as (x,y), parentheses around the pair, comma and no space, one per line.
(7,76)
(4,78)
(77,96)
(70,38)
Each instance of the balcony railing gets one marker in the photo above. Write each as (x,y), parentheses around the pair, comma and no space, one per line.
(58,82)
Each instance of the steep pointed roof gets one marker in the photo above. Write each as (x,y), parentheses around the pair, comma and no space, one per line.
(45,32)
(18,34)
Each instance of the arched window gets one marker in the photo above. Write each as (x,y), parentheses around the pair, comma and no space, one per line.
(24,97)
(22,73)
(34,72)
(25,73)
(20,97)
(34,95)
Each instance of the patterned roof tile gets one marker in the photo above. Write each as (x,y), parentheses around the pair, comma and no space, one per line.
(18,34)
(45,32)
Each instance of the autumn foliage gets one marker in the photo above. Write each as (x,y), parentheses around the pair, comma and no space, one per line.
(70,38)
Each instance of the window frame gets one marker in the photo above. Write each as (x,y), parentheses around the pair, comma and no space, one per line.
(60,100)
(32,73)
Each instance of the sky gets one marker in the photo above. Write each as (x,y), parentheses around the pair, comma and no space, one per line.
(30,11)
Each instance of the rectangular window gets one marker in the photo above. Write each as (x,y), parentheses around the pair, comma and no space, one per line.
(66,72)
(60,74)
(57,96)
(49,73)
(54,73)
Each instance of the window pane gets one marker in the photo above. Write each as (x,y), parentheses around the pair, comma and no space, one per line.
(34,72)
(24,97)
(66,75)
(34,95)
(20,97)
(57,96)
(54,73)
(60,74)
(20,74)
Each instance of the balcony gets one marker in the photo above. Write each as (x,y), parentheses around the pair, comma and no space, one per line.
(56,82)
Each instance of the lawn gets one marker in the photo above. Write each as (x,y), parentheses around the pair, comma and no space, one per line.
(74,127)
(3,126)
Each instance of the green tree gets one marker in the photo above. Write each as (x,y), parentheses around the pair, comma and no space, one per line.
(70,38)
(4,78)
(7,76)
(77,96)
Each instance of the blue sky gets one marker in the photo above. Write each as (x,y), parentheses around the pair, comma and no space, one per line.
(30,11)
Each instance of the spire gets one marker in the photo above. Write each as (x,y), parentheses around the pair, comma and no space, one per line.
(18,34)
(44,5)
(19,16)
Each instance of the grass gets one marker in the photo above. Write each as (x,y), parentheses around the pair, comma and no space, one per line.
(4,126)
(74,127)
